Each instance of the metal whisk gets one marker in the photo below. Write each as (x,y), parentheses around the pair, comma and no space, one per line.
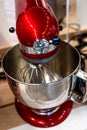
(37,74)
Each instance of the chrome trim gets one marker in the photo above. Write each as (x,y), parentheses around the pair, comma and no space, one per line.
(31,50)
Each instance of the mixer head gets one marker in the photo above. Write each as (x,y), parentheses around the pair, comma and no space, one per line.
(37,30)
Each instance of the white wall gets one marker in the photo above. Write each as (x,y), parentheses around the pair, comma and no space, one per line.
(7,20)
(81,13)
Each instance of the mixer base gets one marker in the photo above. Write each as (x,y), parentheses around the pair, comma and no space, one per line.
(44,120)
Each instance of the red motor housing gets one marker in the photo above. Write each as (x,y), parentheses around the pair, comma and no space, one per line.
(36,26)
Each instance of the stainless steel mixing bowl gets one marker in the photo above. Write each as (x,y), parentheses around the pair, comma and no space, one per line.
(42,86)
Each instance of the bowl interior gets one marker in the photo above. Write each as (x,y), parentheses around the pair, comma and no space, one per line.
(60,67)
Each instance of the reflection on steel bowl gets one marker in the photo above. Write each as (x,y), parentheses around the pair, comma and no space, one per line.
(47,85)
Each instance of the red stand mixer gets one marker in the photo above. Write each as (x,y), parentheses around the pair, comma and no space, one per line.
(37,30)
(33,67)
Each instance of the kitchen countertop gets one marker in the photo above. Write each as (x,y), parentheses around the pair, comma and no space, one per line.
(8,115)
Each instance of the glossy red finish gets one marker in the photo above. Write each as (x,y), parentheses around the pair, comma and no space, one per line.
(35,20)
(44,120)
